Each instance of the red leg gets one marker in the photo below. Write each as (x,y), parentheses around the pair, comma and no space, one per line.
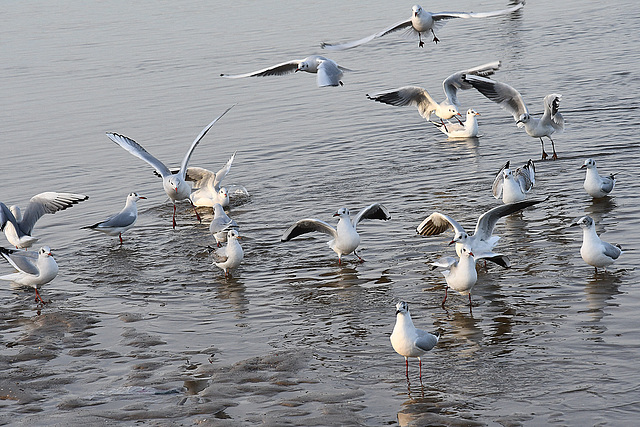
(446,290)
(174,216)
(120,235)
(420,364)
(406,364)
(196,211)
(38,297)
(544,154)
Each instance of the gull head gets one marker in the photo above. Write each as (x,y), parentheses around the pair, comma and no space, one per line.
(460,237)
(507,174)
(588,164)
(342,212)
(524,118)
(233,234)
(223,192)
(402,308)
(134,197)
(173,184)
(466,251)
(218,210)
(306,66)
(584,222)
(417,10)
(45,251)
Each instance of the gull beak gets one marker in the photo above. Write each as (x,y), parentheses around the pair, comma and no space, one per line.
(336,214)
(452,242)
(50,254)
(583,167)
(518,121)
(239,237)
(458,114)
(471,253)
(297,69)
(477,114)
(415,14)
(573,224)
(141,197)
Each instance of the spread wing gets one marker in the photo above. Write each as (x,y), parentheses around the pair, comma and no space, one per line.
(445,262)
(7,216)
(342,46)
(374,211)
(47,203)
(498,182)
(465,15)
(328,73)
(219,176)
(276,70)
(438,223)
(501,93)
(455,82)
(525,176)
(408,95)
(307,226)
(489,219)
(194,144)
(138,150)
(24,261)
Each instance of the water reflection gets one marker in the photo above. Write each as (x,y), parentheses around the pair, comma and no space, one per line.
(601,288)
(233,291)
(600,208)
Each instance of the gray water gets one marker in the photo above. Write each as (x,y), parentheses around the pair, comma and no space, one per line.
(150,332)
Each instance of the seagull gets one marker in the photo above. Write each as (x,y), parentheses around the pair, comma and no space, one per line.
(482,241)
(117,224)
(514,185)
(34,268)
(221,224)
(174,183)
(18,227)
(328,72)
(421,23)
(468,129)
(461,273)
(511,101)
(427,106)
(230,256)
(594,251)
(407,340)
(345,237)
(597,186)
(206,184)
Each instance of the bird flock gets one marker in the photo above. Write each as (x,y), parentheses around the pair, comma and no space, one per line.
(203,188)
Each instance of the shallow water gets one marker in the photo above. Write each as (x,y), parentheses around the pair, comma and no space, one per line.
(151,332)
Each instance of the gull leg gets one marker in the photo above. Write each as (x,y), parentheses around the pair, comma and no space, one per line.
(446,291)
(174,216)
(38,297)
(553,145)
(120,236)
(445,126)
(420,364)
(544,155)
(459,121)
(406,363)
(359,257)
(421,44)
(196,211)
(435,39)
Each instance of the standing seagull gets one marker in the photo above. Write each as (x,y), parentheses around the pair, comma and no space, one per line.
(34,268)
(420,24)
(597,186)
(468,129)
(221,224)
(482,241)
(460,274)
(345,237)
(511,101)
(407,340)
(119,223)
(328,72)
(594,251)
(206,185)
(17,227)
(174,183)
(427,106)
(230,256)
(514,185)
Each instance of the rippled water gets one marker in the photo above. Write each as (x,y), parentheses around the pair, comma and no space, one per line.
(152,332)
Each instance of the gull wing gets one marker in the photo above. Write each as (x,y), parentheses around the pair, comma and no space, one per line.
(222,224)
(342,46)
(219,176)
(438,223)
(7,216)
(307,226)
(501,93)
(408,95)
(277,70)
(200,177)
(122,219)
(611,251)
(23,261)
(47,203)
(608,182)
(498,182)
(445,262)
(374,211)
(489,219)
(551,107)
(425,340)
(465,15)
(525,176)
(138,150)
(455,81)
(194,144)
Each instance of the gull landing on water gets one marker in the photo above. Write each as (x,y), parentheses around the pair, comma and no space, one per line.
(482,241)
(119,223)
(595,185)
(17,226)
(511,101)
(34,268)
(173,183)
(230,256)
(421,23)
(514,185)
(594,251)
(345,237)
(427,106)
(328,72)
(409,341)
